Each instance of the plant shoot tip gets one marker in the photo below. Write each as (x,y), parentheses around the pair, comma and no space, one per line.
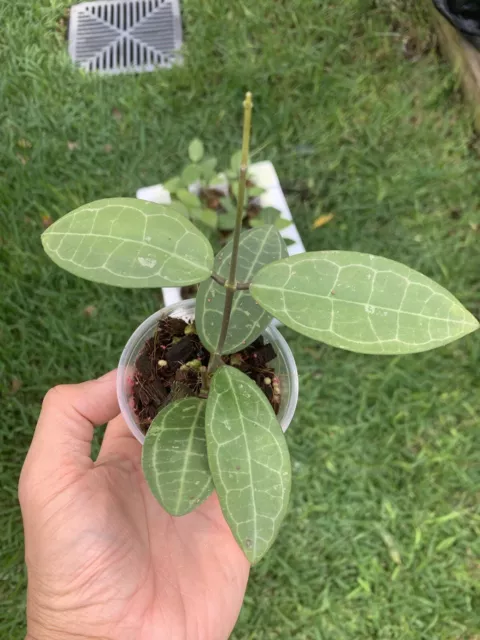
(248,100)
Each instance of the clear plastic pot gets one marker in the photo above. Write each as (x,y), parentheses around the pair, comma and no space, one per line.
(284,365)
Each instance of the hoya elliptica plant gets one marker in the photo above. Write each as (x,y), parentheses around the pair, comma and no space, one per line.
(228,439)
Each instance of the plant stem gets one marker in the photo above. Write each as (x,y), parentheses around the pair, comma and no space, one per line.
(205,382)
(240,286)
(215,359)
(247,119)
(231,283)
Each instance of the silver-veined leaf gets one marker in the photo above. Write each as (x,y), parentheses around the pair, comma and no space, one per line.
(174,457)
(361,302)
(129,243)
(195,150)
(257,248)
(248,459)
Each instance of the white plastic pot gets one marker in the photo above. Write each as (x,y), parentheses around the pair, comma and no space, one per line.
(264,176)
(284,365)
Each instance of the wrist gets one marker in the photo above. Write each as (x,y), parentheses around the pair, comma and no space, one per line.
(42,633)
(45,624)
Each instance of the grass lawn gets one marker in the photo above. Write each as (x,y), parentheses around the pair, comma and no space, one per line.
(381,540)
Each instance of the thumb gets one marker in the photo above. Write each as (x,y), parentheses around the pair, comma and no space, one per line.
(69,413)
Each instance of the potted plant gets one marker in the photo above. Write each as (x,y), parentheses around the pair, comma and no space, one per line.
(208,197)
(210,383)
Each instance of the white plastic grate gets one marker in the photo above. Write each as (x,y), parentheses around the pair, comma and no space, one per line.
(121,36)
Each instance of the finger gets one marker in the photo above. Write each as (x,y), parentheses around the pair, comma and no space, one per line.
(69,413)
(119,441)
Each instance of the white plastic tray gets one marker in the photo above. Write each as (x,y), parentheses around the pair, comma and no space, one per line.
(265,176)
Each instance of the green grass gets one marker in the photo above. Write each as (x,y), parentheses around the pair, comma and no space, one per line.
(382,536)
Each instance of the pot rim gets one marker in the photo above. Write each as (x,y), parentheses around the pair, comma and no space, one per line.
(188,306)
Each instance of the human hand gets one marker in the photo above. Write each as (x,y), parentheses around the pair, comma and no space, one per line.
(104,559)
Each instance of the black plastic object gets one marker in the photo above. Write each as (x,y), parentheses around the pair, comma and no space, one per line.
(464,15)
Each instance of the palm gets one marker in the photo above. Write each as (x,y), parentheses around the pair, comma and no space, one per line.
(126,569)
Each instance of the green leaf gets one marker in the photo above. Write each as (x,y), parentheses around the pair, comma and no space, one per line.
(209,217)
(179,207)
(255,192)
(195,212)
(174,457)
(236,163)
(211,234)
(191,174)
(256,222)
(361,302)
(208,168)
(173,184)
(195,150)
(206,216)
(282,223)
(257,248)
(129,243)
(226,221)
(249,460)
(188,199)
(234,188)
(218,181)
(270,215)
(227,204)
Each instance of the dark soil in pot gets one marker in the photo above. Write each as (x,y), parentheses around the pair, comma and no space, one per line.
(212,199)
(168,368)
